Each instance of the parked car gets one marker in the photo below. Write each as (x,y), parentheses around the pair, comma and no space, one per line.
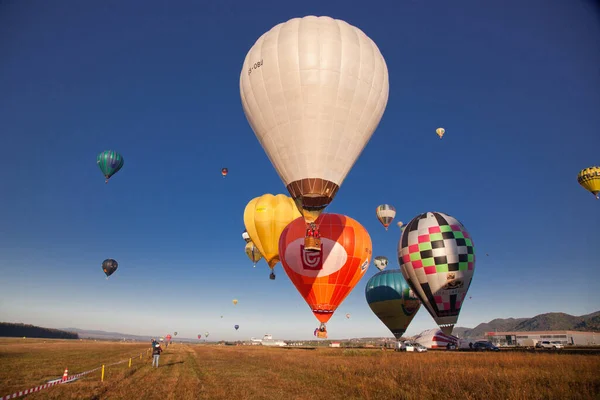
(546,344)
(485,346)
(409,346)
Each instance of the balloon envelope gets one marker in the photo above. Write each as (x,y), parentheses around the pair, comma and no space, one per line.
(253,253)
(392,300)
(381,262)
(109,266)
(385,214)
(437,258)
(224,171)
(589,179)
(440,132)
(234,301)
(314,90)
(265,217)
(237,327)
(110,162)
(325,278)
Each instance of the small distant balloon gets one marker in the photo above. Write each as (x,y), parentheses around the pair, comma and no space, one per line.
(110,162)
(109,266)
(589,179)
(440,132)
(237,327)
(348,316)
(385,214)
(224,172)
(234,302)
(381,262)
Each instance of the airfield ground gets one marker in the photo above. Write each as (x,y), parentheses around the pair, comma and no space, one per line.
(189,371)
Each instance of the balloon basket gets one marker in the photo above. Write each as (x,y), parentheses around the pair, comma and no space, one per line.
(322,335)
(312,244)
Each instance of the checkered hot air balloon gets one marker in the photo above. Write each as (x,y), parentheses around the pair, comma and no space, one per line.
(385,214)
(437,259)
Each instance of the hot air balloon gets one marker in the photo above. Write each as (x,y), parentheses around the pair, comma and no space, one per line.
(199,336)
(392,300)
(237,327)
(234,302)
(440,132)
(348,316)
(400,224)
(313,90)
(110,162)
(174,333)
(589,179)
(205,334)
(265,217)
(385,214)
(224,172)
(381,262)
(325,278)
(246,237)
(437,258)
(253,253)
(109,266)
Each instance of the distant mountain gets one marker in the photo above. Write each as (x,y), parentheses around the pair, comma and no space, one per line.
(102,335)
(542,322)
(8,329)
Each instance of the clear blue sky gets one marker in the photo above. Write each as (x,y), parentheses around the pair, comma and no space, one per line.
(516,86)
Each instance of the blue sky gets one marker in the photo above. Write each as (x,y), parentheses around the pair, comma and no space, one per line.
(517,89)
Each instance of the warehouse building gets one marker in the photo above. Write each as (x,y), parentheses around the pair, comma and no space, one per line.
(574,338)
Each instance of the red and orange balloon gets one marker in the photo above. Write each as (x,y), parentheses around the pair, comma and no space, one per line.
(325,278)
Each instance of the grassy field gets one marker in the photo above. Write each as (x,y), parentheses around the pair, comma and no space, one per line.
(245,372)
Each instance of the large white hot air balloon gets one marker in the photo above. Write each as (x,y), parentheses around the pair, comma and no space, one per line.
(314,90)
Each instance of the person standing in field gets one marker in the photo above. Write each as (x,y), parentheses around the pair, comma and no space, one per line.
(156,350)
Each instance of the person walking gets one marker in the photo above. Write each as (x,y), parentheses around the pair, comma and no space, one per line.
(156,350)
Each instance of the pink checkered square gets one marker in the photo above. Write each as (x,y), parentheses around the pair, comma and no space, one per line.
(429,270)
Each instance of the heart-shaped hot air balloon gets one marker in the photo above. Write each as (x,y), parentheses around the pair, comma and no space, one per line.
(265,217)
(437,258)
(392,300)
(326,277)
(314,90)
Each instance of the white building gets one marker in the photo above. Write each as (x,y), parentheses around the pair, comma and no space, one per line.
(575,338)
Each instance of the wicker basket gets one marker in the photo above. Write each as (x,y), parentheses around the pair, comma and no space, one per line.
(312,244)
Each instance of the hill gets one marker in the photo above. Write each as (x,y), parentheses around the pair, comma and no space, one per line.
(542,322)
(8,329)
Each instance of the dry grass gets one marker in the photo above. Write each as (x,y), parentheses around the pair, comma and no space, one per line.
(223,372)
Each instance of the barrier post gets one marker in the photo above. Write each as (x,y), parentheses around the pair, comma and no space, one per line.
(130,363)
(102,378)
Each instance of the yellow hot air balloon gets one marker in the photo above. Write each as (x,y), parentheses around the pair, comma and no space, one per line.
(314,90)
(253,253)
(235,302)
(440,132)
(265,217)
(589,178)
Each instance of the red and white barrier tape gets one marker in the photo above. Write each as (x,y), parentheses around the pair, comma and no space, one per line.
(57,381)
